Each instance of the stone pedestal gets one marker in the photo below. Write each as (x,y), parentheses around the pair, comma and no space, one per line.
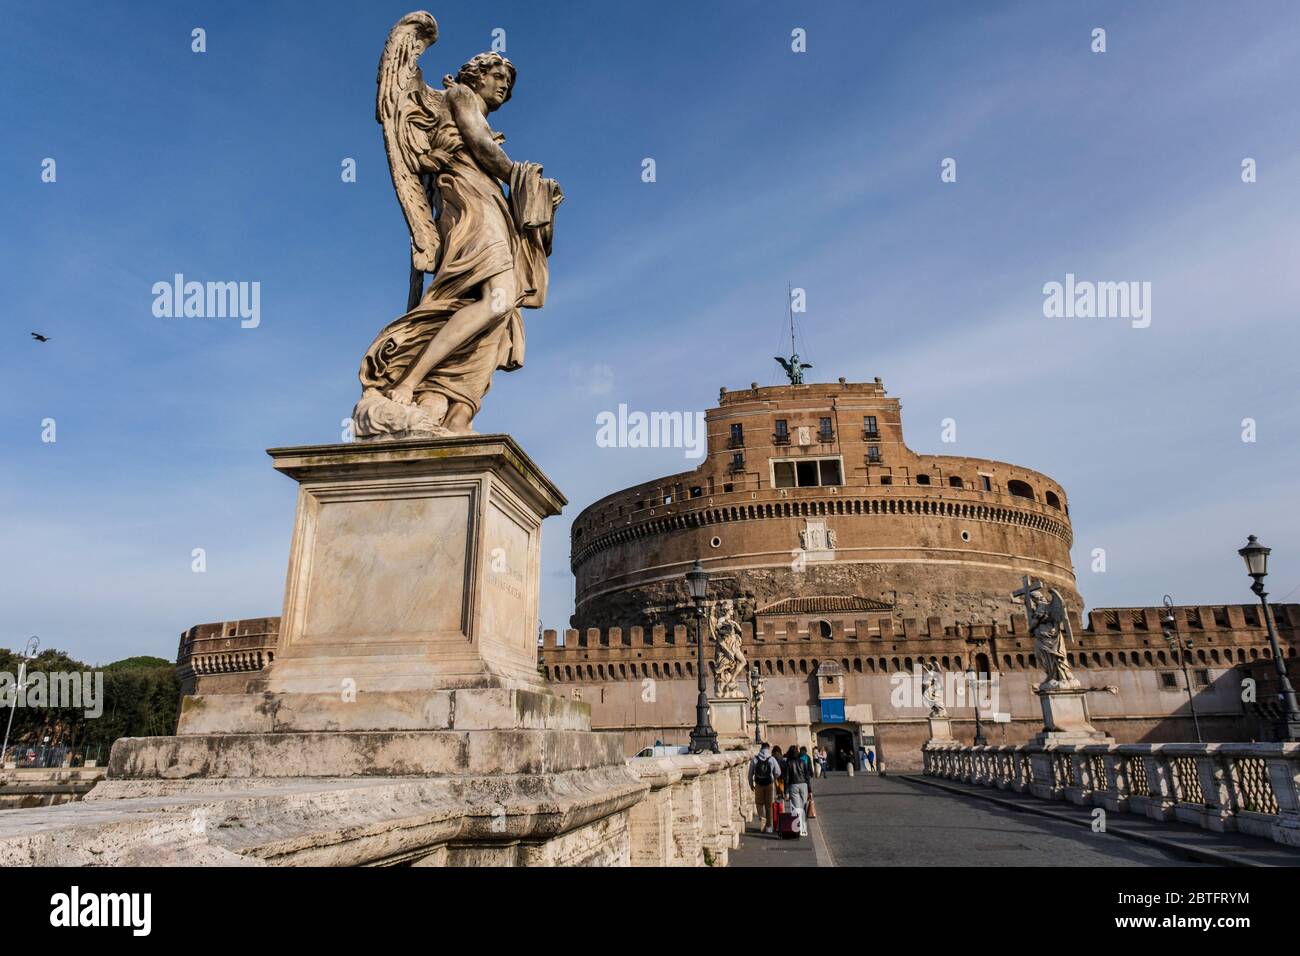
(413,566)
(1065,717)
(403,718)
(940,730)
(730,719)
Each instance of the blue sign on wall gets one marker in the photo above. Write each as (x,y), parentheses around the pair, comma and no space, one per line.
(833,711)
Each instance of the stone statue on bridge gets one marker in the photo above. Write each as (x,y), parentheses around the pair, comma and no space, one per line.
(932,689)
(426,372)
(1050,626)
(729,663)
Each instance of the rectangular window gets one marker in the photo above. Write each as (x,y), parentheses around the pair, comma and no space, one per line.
(782,428)
(738,461)
(873,454)
(807,473)
(986,482)
(668,499)
(1202,678)
(886,480)
(826,433)
(697,491)
(737,436)
(869,429)
(1168,680)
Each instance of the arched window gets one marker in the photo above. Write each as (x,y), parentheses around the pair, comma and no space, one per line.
(955,481)
(1020,489)
(824,628)
(1053,501)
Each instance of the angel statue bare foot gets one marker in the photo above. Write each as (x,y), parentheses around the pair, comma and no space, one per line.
(428,370)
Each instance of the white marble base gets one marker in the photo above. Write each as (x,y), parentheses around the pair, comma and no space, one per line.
(414,566)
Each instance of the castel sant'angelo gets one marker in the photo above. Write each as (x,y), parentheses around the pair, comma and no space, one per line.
(847,560)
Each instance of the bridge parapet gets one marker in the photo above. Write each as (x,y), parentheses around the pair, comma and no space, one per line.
(1249,788)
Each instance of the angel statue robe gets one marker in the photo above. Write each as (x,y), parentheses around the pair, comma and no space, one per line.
(482,235)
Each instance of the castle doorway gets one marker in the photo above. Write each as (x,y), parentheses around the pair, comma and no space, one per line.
(839,747)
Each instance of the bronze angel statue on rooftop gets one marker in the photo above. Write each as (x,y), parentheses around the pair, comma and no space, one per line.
(426,372)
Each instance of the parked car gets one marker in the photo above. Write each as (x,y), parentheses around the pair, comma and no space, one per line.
(671,750)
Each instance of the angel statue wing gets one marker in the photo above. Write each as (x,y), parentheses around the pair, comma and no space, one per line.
(1056,610)
(409,112)
(784,364)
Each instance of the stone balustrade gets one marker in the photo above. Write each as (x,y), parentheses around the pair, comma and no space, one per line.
(1249,788)
(666,811)
(695,811)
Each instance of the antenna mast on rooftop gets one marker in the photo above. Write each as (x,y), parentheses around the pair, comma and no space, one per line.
(793,367)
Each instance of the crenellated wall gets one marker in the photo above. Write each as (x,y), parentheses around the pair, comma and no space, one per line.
(642,681)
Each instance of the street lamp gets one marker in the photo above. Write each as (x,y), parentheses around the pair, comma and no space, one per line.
(28,652)
(756,697)
(1168,628)
(973,682)
(1256,557)
(703,737)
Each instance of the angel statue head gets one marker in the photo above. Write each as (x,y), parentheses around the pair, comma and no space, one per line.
(491,76)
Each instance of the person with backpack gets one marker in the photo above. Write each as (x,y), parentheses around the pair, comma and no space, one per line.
(764,772)
(808,761)
(798,785)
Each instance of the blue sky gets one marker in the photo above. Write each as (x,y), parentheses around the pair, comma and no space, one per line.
(819,170)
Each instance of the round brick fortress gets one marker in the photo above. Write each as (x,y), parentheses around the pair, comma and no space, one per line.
(808,491)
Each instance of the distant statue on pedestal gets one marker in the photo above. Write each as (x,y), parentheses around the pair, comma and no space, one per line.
(729,663)
(932,689)
(1050,626)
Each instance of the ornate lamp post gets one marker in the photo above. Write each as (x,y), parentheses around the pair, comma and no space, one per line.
(28,652)
(756,698)
(1183,647)
(973,685)
(1256,557)
(703,737)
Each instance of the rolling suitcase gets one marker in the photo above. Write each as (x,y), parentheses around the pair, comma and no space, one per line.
(790,825)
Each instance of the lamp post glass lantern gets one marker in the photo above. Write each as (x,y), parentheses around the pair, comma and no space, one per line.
(1256,557)
(755,688)
(703,737)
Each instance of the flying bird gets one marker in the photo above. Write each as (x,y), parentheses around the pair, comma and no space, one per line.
(40,338)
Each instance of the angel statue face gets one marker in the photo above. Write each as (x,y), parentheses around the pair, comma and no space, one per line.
(491,76)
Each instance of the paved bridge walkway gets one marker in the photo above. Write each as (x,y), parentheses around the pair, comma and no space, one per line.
(869,820)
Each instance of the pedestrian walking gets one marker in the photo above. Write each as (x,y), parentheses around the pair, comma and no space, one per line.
(764,772)
(871,758)
(807,761)
(862,758)
(798,787)
(779,756)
